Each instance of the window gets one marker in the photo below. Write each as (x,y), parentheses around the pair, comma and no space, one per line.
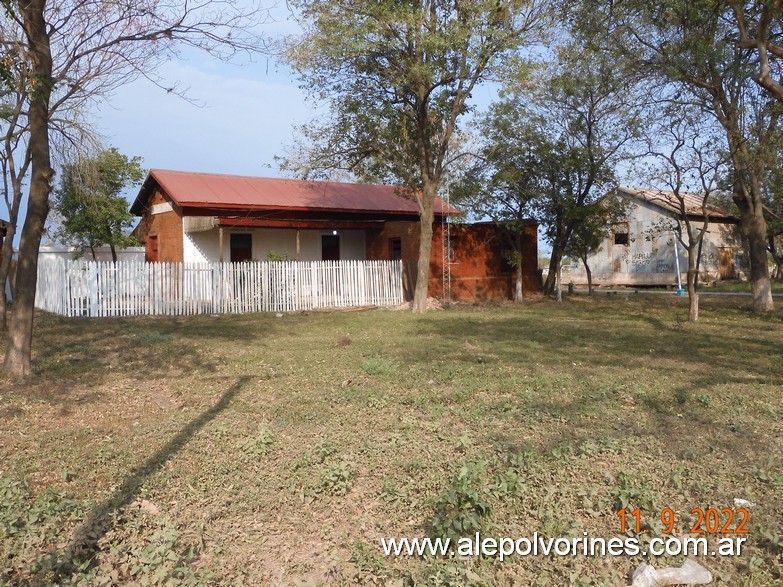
(621,234)
(395,249)
(453,246)
(241,247)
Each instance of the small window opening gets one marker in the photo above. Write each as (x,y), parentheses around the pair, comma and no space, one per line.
(621,235)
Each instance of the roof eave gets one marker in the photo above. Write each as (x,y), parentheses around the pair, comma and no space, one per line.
(137,208)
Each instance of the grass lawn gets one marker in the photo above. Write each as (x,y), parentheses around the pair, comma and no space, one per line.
(736,286)
(278,451)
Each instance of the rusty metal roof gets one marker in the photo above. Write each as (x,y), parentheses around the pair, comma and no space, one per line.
(208,190)
(669,202)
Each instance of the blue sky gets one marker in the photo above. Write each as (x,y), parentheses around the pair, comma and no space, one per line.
(243,115)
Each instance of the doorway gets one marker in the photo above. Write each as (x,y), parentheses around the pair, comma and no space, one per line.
(241,247)
(330,247)
(726,260)
(152,249)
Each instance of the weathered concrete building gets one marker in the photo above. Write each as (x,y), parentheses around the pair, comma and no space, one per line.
(641,251)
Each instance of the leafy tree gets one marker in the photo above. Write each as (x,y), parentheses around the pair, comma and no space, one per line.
(690,48)
(78,51)
(773,202)
(759,26)
(397,77)
(502,182)
(550,147)
(90,202)
(14,159)
(689,164)
(592,229)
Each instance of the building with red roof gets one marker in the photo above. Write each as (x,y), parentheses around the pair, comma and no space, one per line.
(203,217)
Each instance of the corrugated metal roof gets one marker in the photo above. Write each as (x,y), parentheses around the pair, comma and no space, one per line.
(208,190)
(668,201)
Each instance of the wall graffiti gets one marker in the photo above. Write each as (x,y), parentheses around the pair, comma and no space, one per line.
(709,260)
(639,260)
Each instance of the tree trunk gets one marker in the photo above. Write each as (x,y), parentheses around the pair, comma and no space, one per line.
(7,255)
(554,263)
(5,270)
(698,257)
(425,247)
(20,330)
(518,295)
(589,278)
(693,296)
(754,228)
(747,196)
(113,253)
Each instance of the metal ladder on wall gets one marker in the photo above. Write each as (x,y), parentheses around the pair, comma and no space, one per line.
(445,228)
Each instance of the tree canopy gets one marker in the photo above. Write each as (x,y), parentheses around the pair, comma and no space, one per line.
(398,77)
(690,50)
(550,148)
(74,53)
(90,203)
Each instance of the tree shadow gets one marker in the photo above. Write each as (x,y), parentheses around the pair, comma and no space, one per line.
(84,542)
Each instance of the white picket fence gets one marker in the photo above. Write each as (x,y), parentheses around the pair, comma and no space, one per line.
(88,288)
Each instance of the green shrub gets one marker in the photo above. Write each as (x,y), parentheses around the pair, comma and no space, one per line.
(379,366)
(462,509)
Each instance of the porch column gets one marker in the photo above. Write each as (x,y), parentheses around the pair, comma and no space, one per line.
(298,246)
(220,243)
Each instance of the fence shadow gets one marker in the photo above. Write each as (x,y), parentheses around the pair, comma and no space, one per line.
(84,541)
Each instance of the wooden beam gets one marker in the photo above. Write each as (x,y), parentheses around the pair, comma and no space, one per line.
(300,224)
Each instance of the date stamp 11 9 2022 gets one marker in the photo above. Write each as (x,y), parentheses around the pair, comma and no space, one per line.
(710,520)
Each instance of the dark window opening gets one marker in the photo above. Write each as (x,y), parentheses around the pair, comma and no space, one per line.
(621,235)
(395,249)
(453,245)
(241,247)
(330,247)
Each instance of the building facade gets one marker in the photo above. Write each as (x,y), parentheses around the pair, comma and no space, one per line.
(199,217)
(641,251)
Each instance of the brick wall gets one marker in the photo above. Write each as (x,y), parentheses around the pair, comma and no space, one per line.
(167,226)
(479,270)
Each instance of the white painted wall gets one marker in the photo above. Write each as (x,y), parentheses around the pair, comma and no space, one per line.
(202,247)
(101,253)
(353,245)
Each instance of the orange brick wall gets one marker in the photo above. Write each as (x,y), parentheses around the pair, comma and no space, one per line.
(478,270)
(166,226)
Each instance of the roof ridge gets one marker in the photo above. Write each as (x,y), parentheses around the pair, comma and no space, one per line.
(261,177)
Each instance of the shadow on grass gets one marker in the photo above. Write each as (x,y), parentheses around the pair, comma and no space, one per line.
(89,351)
(84,543)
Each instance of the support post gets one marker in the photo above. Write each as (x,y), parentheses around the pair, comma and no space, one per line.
(220,243)
(298,246)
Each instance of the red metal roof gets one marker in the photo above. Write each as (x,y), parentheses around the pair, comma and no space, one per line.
(668,201)
(208,190)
